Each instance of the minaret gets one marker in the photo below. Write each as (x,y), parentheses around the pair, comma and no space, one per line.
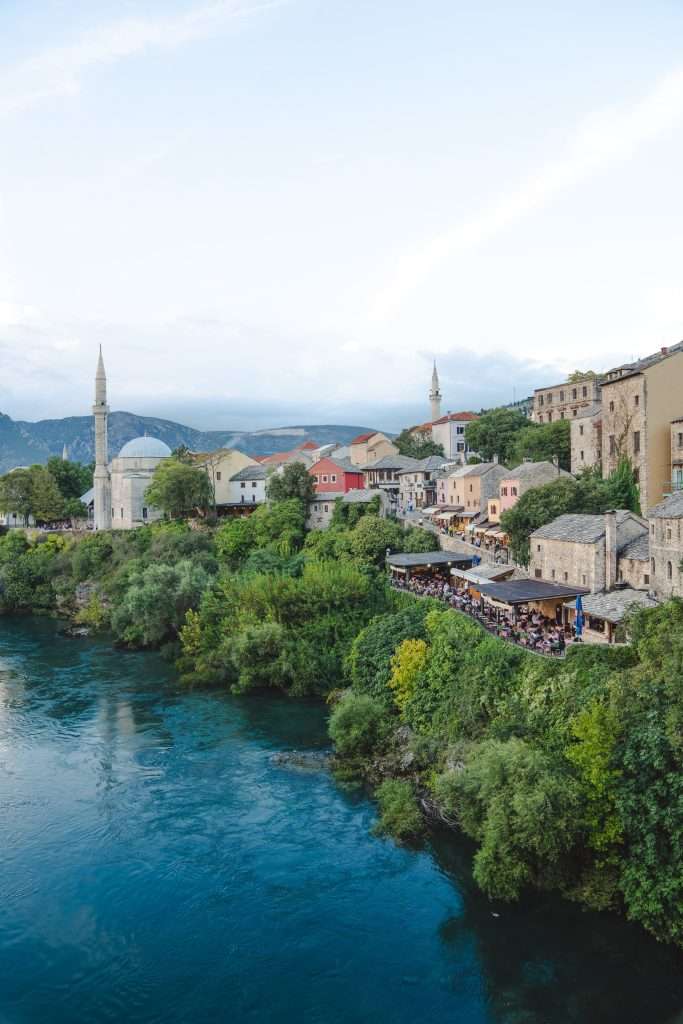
(435,395)
(102,479)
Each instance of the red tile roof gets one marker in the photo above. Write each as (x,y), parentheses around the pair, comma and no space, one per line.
(467,416)
(362,438)
(309,446)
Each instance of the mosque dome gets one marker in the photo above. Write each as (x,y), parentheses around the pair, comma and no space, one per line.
(145,448)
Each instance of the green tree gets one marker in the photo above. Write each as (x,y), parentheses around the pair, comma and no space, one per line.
(293,482)
(535,508)
(155,602)
(371,537)
(399,813)
(515,801)
(72,478)
(178,488)
(417,445)
(622,487)
(407,665)
(542,442)
(47,502)
(235,540)
(369,660)
(16,493)
(495,433)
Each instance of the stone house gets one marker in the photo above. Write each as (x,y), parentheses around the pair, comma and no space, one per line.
(248,486)
(417,484)
(677,455)
(221,466)
(321,508)
(518,481)
(584,550)
(371,447)
(639,403)
(586,438)
(666,547)
(471,487)
(564,401)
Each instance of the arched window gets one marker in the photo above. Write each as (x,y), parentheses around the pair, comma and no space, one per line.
(669,571)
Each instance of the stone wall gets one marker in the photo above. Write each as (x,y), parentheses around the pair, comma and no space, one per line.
(666,555)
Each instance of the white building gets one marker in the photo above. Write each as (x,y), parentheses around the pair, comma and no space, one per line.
(248,486)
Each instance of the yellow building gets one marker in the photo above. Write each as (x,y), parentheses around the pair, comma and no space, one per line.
(220,466)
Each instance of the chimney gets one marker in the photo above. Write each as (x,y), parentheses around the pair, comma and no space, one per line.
(610,549)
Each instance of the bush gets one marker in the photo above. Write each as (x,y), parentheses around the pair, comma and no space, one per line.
(369,661)
(399,815)
(357,725)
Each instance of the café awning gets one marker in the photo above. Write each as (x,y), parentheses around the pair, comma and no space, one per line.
(483,574)
(428,560)
(513,592)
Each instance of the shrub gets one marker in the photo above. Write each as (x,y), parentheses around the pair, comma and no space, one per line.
(357,725)
(399,815)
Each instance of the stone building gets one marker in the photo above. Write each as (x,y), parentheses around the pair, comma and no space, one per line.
(471,487)
(248,487)
(639,402)
(321,508)
(371,447)
(586,438)
(516,482)
(584,550)
(565,401)
(677,455)
(417,484)
(666,547)
(450,432)
(221,466)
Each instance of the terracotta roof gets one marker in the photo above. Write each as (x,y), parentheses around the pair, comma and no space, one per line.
(362,438)
(466,416)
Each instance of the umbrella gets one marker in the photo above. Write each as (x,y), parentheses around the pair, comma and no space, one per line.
(578,623)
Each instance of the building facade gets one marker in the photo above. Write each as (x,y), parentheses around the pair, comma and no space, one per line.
(450,432)
(336,476)
(677,454)
(471,487)
(220,467)
(584,550)
(564,401)
(586,439)
(417,484)
(247,487)
(639,404)
(371,447)
(666,547)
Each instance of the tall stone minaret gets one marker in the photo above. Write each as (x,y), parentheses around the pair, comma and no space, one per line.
(435,395)
(102,479)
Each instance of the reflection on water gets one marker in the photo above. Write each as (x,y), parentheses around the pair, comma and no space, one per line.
(157,865)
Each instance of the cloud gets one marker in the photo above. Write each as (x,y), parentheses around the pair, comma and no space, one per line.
(59,72)
(601,141)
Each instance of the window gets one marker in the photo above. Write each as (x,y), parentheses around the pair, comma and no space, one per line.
(669,570)
(612,445)
(583,580)
(646,578)
(584,392)
(668,533)
(461,446)
(552,574)
(562,396)
(122,513)
(324,478)
(652,566)
(144,512)
(316,507)
(326,508)
(513,491)
(333,478)
(652,529)
(574,394)
(582,457)
(537,573)
(504,491)
(243,485)
(540,399)
(573,412)
(253,483)
(493,510)
(218,475)
(253,497)
(112,513)
(242,498)
(562,415)
(566,577)
(538,547)
(636,475)
(470,488)
(550,398)
(611,407)
(680,440)
(636,441)
(636,400)
(581,430)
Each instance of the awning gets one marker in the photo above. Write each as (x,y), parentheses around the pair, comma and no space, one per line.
(524,591)
(483,573)
(431,510)
(447,516)
(494,532)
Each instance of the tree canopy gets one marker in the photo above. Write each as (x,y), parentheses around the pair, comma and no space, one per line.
(495,433)
(293,482)
(178,488)
(417,445)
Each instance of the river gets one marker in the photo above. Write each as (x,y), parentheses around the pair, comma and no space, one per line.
(159,866)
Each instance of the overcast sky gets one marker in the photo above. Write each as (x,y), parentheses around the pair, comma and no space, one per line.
(273,212)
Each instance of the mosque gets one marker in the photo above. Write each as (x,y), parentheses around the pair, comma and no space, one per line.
(119,487)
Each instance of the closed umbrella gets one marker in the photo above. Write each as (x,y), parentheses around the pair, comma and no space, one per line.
(578,623)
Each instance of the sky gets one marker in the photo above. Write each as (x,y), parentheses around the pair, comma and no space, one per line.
(281,211)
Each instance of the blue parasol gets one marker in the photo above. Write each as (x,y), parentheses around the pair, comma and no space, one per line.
(578,622)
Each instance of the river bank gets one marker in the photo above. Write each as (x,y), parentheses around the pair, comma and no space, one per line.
(158,864)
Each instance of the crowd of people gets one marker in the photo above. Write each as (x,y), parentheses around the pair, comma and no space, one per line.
(529,629)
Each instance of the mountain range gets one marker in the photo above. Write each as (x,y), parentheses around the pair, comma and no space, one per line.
(23,443)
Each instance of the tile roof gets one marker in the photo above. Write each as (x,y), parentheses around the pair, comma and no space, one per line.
(479,469)
(520,591)
(670,508)
(535,472)
(359,497)
(410,560)
(362,438)
(250,473)
(638,547)
(612,605)
(577,527)
(460,416)
(393,462)
(631,369)
(591,410)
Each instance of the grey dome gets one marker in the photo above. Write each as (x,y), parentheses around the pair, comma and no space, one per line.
(145,448)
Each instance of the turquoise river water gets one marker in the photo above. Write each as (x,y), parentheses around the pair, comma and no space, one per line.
(158,865)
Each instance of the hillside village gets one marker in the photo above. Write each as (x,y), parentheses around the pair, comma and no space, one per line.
(580,565)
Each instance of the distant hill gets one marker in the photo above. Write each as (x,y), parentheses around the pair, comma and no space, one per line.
(23,443)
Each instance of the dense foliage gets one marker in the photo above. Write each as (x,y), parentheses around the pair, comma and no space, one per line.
(178,488)
(293,482)
(566,774)
(47,493)
(509,435)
